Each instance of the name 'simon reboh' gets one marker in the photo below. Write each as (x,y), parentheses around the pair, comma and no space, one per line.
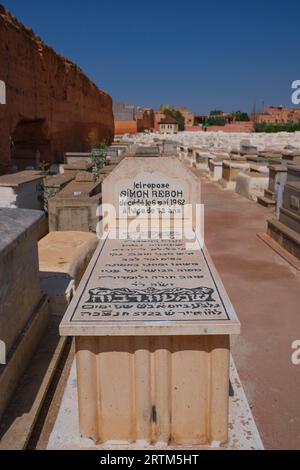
(151,193)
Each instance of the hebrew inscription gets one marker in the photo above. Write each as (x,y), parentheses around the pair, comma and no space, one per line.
(149,280)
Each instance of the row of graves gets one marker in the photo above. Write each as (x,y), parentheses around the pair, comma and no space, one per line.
(44,267)
(250,172)
(270,176)
(276,174)
(150,316)
(39,275)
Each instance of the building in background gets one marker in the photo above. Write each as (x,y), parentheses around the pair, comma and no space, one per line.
(130,119)
(168,125)
(189,118)
(277,115)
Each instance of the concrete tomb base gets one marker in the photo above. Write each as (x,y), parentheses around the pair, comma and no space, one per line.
(242,435)
(154,389)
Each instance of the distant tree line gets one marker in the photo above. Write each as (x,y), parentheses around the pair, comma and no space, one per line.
(272,128)
(218,118)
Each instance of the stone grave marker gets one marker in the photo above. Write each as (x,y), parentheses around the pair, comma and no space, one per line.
(152,322)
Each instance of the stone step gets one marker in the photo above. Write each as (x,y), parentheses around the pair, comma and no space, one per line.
(265,201)
(285,236)
(270,194)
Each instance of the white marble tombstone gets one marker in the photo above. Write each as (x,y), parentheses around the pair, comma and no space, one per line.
(152,322)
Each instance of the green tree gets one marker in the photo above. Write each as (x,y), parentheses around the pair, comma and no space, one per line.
(216,121)
(240,116)
(176,115)
(216,112)
(98,157)
(273,127)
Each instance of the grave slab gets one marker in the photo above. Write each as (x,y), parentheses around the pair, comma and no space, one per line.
(21,190)
(168,316)
(23,308)
(63,259)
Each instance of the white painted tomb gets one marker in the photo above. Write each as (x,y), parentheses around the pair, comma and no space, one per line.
(21,190)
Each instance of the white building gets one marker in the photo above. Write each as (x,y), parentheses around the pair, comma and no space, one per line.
(168,125)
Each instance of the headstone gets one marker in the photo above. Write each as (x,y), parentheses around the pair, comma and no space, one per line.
(290,211)
(230,170)
(148,188)
(277,177)
(168,148)
(21,190)
(147,152)
(247,148)
(73,168)
(215,169)
(75,207)
(23,308)
(73,157)
(286,230)
(148,310)
(293,174)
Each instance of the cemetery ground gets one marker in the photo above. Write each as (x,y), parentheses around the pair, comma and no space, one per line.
(264,289)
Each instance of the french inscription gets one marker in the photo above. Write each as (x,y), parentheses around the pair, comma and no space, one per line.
(152,194)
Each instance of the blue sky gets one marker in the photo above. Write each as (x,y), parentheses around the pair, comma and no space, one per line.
(194,53)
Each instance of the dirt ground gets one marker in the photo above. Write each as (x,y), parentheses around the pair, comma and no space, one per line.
(265,291)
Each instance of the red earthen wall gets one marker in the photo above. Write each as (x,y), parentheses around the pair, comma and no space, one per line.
(126,127)
(56,104)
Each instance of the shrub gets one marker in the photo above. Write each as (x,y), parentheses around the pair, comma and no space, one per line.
(273,127)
